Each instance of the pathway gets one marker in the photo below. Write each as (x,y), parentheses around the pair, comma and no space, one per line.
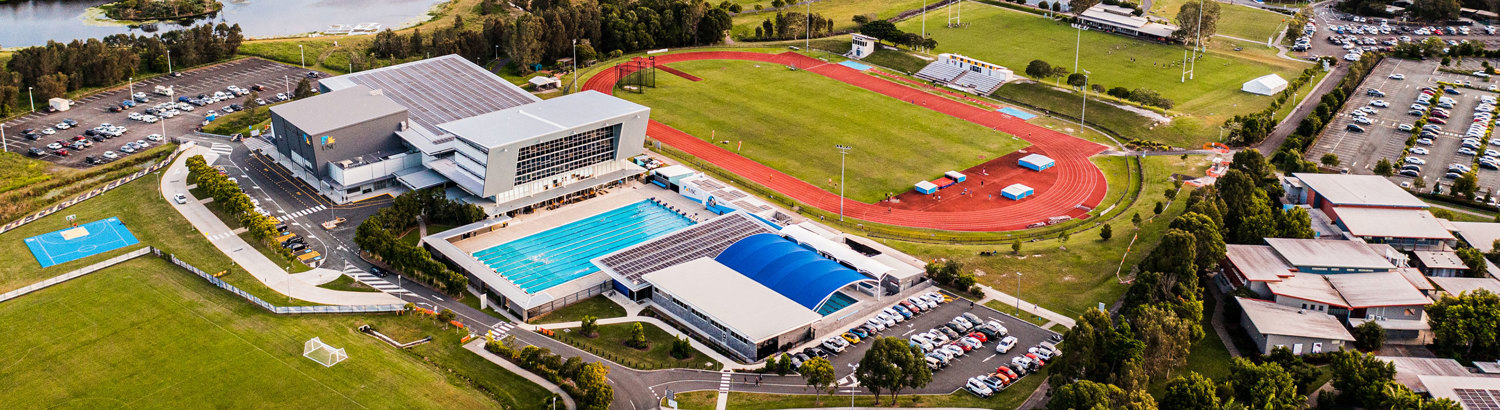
(1078,186)
(1026,307)
(477,346)
(244,256)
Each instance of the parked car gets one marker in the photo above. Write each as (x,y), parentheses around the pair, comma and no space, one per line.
(977,387)
(1005,344)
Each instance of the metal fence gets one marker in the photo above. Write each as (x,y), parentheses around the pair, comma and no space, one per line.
(280,310)
(73,275)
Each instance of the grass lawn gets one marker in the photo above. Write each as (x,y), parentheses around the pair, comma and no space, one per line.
(148,334)
(597,306)
(896,60)
(1010,398)
(345,282)
(610,344)
(1071,280)
(841,11)
(140,206)
(1250,23)
(1182,131)
(1114,60)
(17,170)
(793,127)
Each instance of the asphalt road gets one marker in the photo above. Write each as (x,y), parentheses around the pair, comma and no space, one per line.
(93,109)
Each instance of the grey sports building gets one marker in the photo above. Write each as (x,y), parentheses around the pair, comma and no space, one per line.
(447,122)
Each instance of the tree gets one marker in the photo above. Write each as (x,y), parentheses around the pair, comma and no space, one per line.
(1190,391)
(1474,259)
(1264,385)
(446,316)
(303,90)
(1369,336)
(891,365)
(1158,208)
(681,348)
(1294,223)
(1015,247)
(1303,374)
(1105,232)
(1361,377)
(1189,24)
(1466,326)
(1167,338)
(1039,69)
(784,364)
(1435,10)
(1092,395)
(883,30)
(819,375)
(590,326)
(1330,160)
(1077,79)
(1466,184)
(1384,168)
(593,380)
(52,86)
(250,103)
(637,336)
(1098,348)
(1398,396)
(1078,6)
(1209,242)
(1135,219)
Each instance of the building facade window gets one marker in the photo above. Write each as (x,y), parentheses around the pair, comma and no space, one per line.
(546,159)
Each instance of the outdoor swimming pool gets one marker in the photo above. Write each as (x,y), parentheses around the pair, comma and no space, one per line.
(543,260)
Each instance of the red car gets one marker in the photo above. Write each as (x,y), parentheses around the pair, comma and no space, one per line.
(79,138)
(61,152)
(1035,358)
(979,336)
(1436,120)
(1005,370)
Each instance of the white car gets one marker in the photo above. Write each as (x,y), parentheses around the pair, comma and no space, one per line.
(1415,160)
(1006,343)
(48,131)
(153,137)
(62,126)
(1419,150)
(1380,103)
(1022,361)
(976,386)
(1404,127)
(180,198)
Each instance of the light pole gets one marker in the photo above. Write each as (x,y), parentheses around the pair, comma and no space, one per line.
(302,56)
(1018,294)
(1083,112)
(286,82)
(3,143)
(853,368)
(131,81)
(575,67)
(843,158)
(924,18)
(31,98)
(807,40)
(497,52)
(1077,44)
(169,61)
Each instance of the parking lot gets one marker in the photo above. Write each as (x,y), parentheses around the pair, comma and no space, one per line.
(1358,152)
(93,110)
(981,361)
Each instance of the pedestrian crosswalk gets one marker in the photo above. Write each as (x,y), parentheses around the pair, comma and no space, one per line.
(306,211)
(220,235)
(374,282)
(724,381)
(221,149)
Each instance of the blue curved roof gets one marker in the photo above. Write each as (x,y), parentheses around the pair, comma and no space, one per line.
(789,269)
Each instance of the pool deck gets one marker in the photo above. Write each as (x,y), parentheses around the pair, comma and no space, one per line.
(536,222)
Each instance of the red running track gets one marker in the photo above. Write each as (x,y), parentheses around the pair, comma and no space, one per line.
(1077,182)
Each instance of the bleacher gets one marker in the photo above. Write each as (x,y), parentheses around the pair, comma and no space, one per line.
(937,71)
(981,84)
(958,77)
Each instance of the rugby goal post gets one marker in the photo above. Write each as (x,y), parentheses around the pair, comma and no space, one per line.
(322,353)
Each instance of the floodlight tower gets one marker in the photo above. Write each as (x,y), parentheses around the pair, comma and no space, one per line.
(843,158)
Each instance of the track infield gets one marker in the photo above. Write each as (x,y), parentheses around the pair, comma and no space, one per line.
(1076,185)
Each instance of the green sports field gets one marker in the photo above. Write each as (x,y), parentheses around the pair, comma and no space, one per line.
(146,334)
(1013,39)
(791,120)
(1250,23)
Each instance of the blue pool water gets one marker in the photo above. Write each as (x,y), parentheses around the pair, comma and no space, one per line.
(838,302)
(1011,111)
(561,254)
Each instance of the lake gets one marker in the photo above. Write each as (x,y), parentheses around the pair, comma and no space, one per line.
(34,22)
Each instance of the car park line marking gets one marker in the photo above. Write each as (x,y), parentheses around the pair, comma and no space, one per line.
(988,358)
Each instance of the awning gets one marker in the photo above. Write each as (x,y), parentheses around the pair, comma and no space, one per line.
(424,178)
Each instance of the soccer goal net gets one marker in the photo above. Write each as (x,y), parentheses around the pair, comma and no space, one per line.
(323,353)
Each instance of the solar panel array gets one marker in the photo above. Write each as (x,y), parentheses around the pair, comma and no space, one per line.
(1478,399)
(443,89)
(704,240)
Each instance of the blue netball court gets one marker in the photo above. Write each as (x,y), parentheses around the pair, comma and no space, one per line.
(66,245)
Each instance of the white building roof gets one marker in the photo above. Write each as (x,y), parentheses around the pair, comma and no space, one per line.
(745,306)
(1392,223)
(541,80)
(1471,392)
(1455,286)
(674,171)
(1037,159)
(1376,289)
(1310,287)
(835,250)
(1440,260)
(1265,85)
(1259,263)
(1016,189)
(1369,190)
(533,120)
(1273,319)
(1329,253)
(1480,235)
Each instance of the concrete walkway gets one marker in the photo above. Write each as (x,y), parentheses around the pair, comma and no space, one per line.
(174,181)
(477,346)
(1026,307)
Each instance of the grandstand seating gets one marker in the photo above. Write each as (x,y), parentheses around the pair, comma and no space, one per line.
(958,77)
(937,71)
